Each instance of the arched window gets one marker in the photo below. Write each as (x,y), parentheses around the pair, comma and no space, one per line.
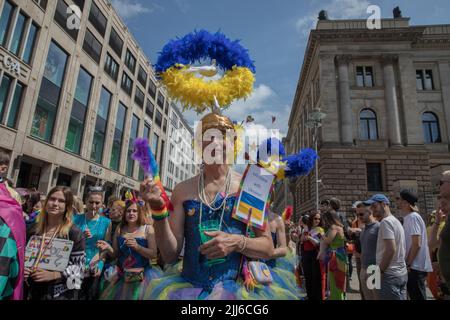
(368,125)
(431,130)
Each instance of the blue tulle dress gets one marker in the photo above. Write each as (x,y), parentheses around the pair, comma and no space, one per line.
(199,280)
(128,258)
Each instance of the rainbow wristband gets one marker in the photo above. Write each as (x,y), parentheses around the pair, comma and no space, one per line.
(160,214)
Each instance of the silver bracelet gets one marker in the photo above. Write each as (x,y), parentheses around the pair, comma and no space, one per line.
(244,245)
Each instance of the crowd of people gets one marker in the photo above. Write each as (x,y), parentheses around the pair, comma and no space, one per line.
(396,257)
(137,248)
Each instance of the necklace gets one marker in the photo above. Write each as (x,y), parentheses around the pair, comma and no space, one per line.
(202,198)
(202,192)
(44,246)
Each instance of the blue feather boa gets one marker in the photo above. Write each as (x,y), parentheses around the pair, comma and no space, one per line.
(202,44)
(300,164)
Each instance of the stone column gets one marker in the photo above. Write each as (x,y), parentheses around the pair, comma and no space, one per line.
(76,184)
(46,180)
(444,73)
(328,99)
(344,99)
(390,91)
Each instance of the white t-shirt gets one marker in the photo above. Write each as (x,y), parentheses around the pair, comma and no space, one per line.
(414,225)
(391,229)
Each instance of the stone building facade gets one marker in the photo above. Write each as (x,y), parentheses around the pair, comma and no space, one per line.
(386,96)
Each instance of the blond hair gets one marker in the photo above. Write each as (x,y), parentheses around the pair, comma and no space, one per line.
(41,223)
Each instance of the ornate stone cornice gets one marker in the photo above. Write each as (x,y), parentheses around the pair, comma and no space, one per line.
(343,58)
(389,59)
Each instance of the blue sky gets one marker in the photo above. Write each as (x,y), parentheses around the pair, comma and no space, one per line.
(275,32)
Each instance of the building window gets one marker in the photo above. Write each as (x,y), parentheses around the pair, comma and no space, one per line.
(98,19)
(41,3)
(161,153)
(424,80)
(155,143)
(18,34)
(133,136)
(374,177)
(92,46)
(101,125)
(152,89)
(368,125)
(115,42)
(158,118)
(431,131)
(118,136)
(130,61)
(61,16)
(165,126)
(161,101)
(177,172)
(142,77)
(49,93)
(4,93)
(150,109)
(127,84)
(111,67)
(147,131)
(78,115)
(364,76)
(166,110)
(139,98)
(5,21)
(30,43)
(15,106)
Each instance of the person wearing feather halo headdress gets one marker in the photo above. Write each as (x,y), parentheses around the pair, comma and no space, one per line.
(199,215)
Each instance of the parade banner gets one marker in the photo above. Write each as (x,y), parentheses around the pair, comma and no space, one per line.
(56,255)
(254,193)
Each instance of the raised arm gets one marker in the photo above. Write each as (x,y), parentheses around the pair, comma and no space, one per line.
(169,232)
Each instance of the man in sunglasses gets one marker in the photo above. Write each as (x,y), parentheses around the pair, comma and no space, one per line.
(390,250)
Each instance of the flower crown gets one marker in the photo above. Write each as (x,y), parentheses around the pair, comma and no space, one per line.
(130,198)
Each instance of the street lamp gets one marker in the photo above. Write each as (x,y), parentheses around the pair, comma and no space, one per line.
(315,122)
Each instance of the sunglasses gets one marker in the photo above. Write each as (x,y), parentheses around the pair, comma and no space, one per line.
(360,214)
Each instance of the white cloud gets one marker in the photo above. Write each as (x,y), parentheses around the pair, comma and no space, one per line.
(336,9)
(128,8)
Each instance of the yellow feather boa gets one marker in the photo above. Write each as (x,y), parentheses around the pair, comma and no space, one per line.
(195,93)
